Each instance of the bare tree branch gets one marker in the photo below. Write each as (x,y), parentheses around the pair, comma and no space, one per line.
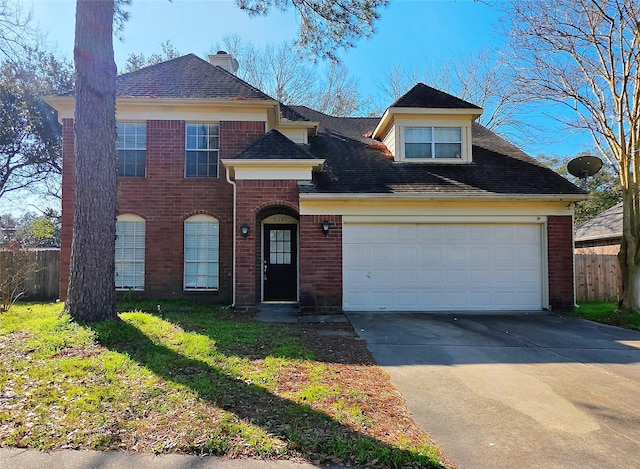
(584,54)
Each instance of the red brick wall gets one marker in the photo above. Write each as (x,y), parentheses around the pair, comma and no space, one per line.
(320,264)
(256,200)
(165,198)
(235,136)
(560,247)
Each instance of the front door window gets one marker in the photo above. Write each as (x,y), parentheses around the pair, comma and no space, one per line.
(280,271)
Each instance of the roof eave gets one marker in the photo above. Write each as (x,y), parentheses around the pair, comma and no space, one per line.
(568,198)
(64,105)
(598,237)
(387,117)
(310,164)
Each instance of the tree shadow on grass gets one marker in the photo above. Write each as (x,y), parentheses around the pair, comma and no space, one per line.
(315,435)
(237,334)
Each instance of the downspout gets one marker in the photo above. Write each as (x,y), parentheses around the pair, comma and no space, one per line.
(233,275)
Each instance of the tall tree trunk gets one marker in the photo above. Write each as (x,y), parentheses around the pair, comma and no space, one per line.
(628,255)
(91,294)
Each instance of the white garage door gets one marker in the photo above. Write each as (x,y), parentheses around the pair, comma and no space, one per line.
(440,267)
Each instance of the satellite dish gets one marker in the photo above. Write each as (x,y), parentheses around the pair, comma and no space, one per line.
(584,166)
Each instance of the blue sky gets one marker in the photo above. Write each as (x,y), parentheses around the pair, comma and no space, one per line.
(410,32)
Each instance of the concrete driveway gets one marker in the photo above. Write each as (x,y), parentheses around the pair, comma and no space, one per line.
(515,391)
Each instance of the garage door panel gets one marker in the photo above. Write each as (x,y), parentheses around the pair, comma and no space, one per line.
(479,254)
(456,278)
(456,234)
(431,254)
(407,253)
(407,233)
(527,256)
(480,277)
(408,278)
(429,233)
(442,267)
(456,299)
(407,300)
(455,255)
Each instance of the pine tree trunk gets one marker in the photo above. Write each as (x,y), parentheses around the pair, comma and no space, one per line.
(91,294)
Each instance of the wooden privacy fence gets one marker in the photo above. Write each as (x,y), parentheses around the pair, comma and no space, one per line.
(597,277)
(41,281)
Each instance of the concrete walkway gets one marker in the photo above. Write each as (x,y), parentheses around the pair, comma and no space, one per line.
(290,313)
(515,391)
(15,458)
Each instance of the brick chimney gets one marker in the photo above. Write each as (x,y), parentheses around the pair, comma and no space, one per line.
(224,60)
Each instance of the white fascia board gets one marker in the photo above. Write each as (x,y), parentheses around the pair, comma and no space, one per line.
(272,169)
(469,206)
(385,121)
(387,118)
(569,198)
(65,105)
(440,111)
(308,125)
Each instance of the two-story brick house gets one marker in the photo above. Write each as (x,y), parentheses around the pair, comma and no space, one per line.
(224,192)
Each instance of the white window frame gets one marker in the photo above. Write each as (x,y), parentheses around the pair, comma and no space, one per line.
(212,151)
(433,142)
(130,252)
(139,142)
(201,255)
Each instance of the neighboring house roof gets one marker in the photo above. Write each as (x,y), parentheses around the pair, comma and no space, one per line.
(423,96)
(355,163)
(606,225)
(274,146)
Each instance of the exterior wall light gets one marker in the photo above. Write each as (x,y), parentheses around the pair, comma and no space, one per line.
(244,229)
(325,227)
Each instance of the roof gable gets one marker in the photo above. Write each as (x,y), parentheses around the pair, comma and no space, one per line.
(423,96)
(274,146)
(186,77)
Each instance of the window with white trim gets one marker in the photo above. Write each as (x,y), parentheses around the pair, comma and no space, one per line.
(201,150)
(130,245)
(132,148)
(201,245)
(432,142)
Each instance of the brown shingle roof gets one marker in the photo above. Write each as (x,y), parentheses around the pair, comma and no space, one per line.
(357,164)
(186,77)
(274,146)
(424,96)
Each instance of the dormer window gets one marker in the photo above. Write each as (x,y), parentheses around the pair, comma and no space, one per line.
(428,126)
(432,142)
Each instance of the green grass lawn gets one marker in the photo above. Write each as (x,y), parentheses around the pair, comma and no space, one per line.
(606,313)
(188,378)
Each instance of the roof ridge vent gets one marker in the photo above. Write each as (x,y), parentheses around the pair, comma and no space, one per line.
(224,60)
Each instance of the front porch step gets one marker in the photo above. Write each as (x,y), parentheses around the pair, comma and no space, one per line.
(290,313)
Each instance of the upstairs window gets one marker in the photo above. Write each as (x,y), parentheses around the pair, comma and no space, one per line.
(202,147)
(432,142)
(132,148)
